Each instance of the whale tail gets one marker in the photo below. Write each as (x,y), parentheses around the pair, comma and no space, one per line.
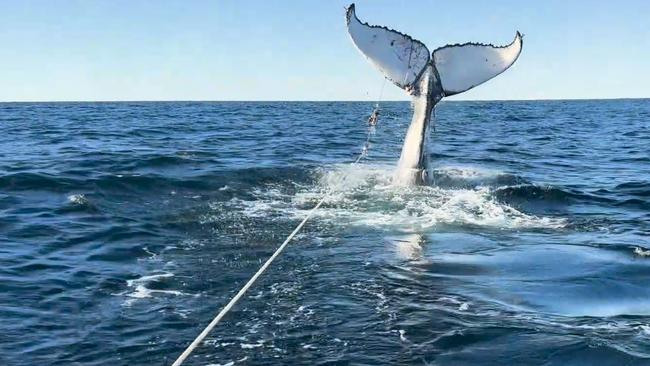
(403,59)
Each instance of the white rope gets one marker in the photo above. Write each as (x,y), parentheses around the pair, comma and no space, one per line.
(263,268)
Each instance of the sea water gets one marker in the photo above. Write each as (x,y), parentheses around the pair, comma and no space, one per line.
(125,227)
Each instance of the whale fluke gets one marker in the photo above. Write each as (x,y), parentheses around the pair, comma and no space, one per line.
(403,59)
(428,77)
(399,57)
(464,66)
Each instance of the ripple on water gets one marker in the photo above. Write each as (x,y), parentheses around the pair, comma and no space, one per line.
(125,226)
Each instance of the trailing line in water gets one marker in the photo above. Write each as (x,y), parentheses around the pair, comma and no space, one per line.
(195,343)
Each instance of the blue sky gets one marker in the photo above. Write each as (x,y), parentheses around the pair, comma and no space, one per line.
(299,50)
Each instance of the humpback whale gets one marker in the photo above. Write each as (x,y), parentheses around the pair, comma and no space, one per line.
(427,77)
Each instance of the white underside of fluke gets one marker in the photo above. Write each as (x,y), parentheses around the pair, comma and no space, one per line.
(450,70)
(402,59)
(462,67)
(399,57)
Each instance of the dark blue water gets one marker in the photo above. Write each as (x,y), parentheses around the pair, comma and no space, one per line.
(124,227)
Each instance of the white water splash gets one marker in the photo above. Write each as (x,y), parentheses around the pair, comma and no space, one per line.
(230,363)
(469,174)
(252,345)
(365,196)
(402,335)
(645,330)
(641,252)
(141,291)
(77,199)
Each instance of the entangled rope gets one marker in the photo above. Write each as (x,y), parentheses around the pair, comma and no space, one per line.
(251,281)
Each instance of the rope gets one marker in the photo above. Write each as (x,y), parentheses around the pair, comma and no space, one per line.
(179,361)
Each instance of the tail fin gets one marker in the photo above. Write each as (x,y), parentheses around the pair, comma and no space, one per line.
(399,57)
(403,59)
(462,67)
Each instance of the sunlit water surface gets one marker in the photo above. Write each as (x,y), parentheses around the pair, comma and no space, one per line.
(124,227)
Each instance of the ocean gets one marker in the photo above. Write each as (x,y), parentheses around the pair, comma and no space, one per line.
(125,227)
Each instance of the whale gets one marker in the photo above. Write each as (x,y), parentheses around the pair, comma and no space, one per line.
(427,77)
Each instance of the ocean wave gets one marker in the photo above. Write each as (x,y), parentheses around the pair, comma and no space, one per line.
(634,203)
(535,192)
(639,188)
(129,181)
(34,181)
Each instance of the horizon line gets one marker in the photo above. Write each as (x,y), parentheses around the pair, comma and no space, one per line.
(305,100)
